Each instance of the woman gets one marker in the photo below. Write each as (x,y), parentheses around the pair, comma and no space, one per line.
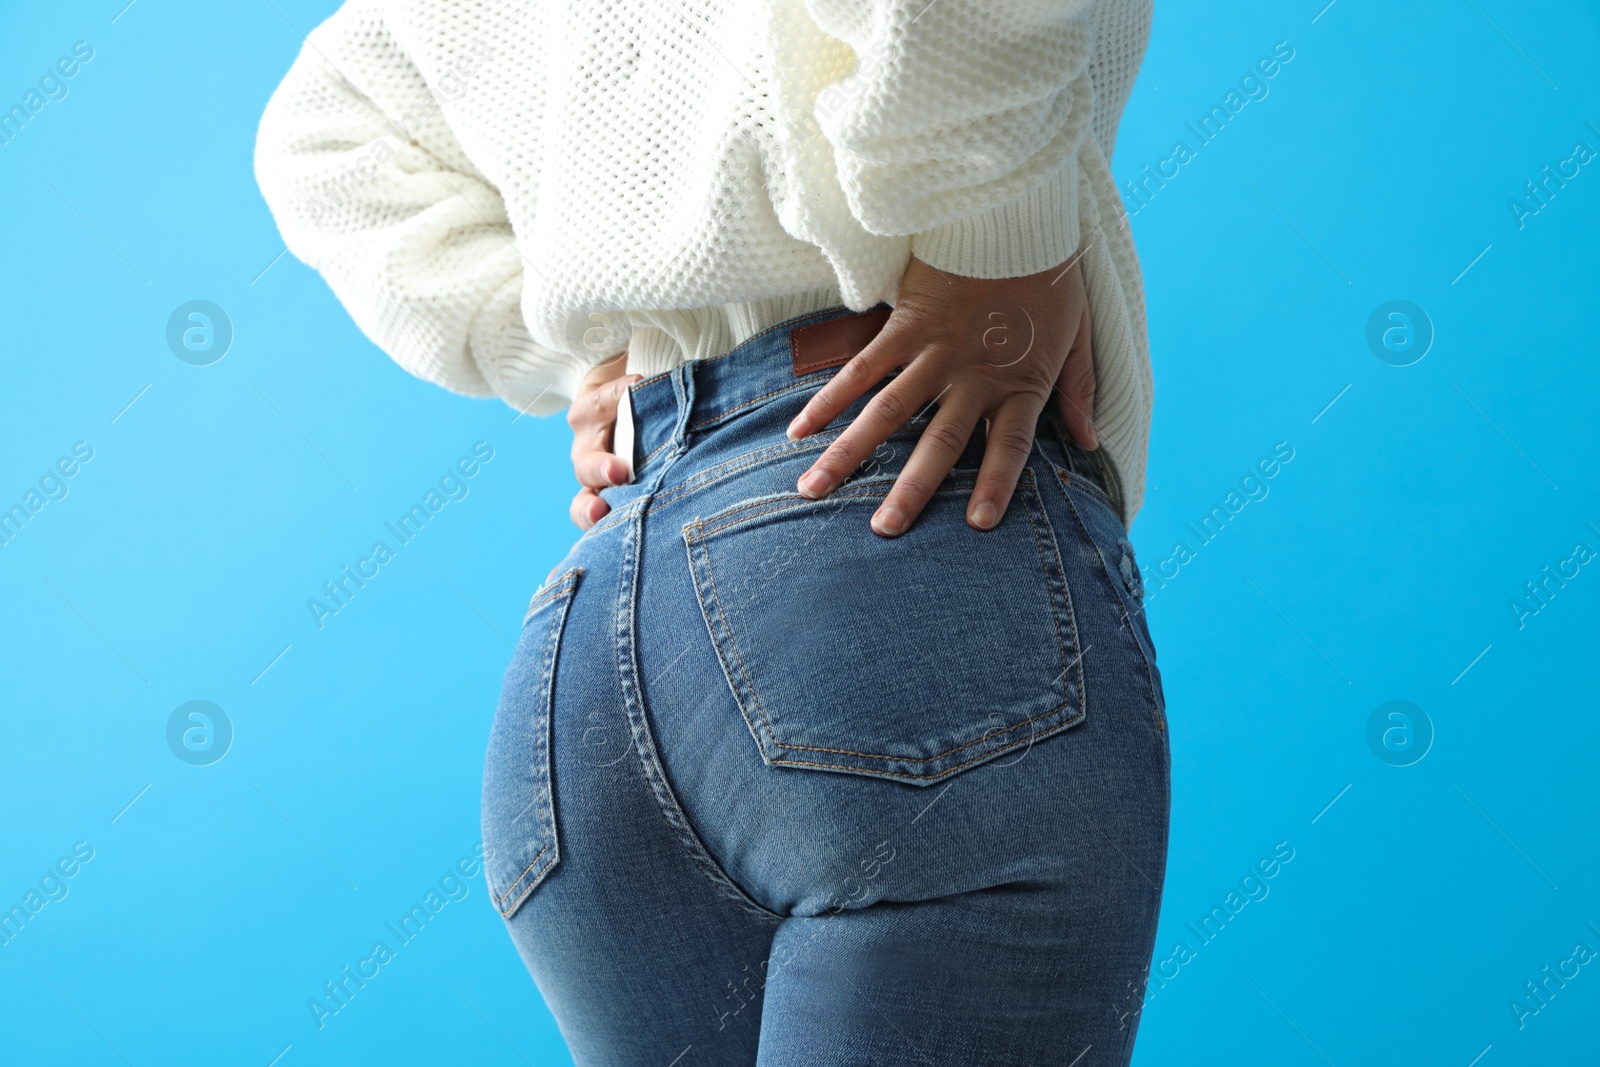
(855,597)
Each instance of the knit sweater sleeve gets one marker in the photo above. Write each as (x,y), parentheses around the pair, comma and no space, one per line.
(958,125)
(369,186)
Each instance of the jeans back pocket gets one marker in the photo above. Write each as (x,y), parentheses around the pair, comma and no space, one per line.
(519,821)
(909,659)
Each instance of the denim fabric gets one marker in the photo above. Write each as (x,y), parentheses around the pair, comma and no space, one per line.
(766,788)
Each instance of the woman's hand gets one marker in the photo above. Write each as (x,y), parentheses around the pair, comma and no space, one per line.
(982,349)
(593,416)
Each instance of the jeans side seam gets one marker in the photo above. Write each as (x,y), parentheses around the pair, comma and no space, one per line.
(1127,622)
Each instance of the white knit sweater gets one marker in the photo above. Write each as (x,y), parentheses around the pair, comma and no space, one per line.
(505,193)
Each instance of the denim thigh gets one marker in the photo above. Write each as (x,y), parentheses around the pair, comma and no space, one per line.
(637,945)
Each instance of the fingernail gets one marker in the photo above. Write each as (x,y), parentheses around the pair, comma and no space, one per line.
(889,520)
(983,516)
(609,472)
(814,485)
(798,428)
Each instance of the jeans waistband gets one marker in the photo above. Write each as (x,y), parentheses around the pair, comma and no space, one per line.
(699,394)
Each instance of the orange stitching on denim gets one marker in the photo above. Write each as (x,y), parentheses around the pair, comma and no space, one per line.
(739,512)
(930,759)
(798,383)
(743,670)
(790,324)
(869,490)
(815,442)
(700,479)
(794,503)
(1079,482)
(683,488)
(1077,659)
(948,770)
(663,446)
(792,386)
(553,593)
(499,900)
(1028,483)
(1031,484)
(1088,485)
(615,518)
(787,324)
(1105,571)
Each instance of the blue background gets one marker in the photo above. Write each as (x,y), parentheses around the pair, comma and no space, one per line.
(1381,565)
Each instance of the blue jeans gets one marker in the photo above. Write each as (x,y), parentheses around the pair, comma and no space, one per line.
(766,788)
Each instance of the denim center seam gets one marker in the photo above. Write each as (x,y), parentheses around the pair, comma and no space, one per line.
(633,695)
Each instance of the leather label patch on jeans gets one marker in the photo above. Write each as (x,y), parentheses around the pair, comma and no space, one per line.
(835,342)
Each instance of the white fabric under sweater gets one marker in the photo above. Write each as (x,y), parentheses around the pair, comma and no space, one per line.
(504,194)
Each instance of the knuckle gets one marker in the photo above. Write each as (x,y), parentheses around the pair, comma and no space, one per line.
(995,487)
(836,462)
(911,490)
(889,406)
(1012,441)
(946,437)
(854,373)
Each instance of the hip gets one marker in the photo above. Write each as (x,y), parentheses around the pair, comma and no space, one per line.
(802,687)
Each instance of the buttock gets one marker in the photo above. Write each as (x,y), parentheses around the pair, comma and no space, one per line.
(750,755)
(981,705)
